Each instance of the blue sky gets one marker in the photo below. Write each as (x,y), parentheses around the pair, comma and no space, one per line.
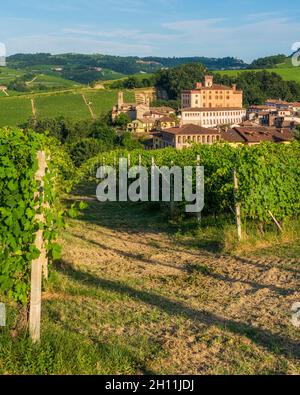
(246,28)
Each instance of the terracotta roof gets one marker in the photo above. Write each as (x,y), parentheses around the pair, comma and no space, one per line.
(248,123)
(146,120)
(165,119)
(190,129)
(260,107)
(218,87)
(257,134)
(274,101)
(232,136)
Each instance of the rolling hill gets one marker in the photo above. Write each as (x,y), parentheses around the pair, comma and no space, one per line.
(70,104)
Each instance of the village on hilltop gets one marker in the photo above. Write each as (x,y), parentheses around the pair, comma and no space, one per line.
(209,113)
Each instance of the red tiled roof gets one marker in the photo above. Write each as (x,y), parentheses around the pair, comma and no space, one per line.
(191,129)
(274,101)
(165,119)
(257,134)
(218,87)
(261,107)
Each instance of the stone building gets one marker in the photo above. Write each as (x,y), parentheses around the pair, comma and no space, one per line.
(210,105)
(140,111)
(145,96)
(184,136)
(254,135)
(247,134)
(124,108)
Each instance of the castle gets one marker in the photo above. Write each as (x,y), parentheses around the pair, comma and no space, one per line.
(140,110)
(211,105)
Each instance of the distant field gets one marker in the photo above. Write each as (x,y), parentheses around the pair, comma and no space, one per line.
(139,76)
(52,82)
(7,75)
(48,80)
(16,110)
(287,73)
(71,106)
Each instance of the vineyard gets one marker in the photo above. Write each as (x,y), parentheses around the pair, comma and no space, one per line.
(268,175)
(139,289)
(16,110)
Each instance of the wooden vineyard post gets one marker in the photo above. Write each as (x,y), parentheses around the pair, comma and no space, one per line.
(198,214)
(275,221)
(38,264)
(237,205)
(172,191)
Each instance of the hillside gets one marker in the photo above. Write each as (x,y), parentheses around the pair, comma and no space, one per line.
(87,68)
(70,104)
(286,71)
(33,80)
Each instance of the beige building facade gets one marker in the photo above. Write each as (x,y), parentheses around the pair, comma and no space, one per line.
(185,136)
(211,105)
(213,117)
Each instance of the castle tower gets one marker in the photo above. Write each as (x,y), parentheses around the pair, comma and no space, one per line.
(120,99)
(209,80)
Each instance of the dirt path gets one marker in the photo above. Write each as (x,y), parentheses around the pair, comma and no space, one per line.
(30,82)
(89,106)
(33,109)
(205,312)
(5,92)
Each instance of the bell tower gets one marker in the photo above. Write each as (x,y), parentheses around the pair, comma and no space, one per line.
(209,80)
(120,99)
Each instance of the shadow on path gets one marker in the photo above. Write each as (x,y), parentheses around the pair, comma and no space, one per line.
(275,343)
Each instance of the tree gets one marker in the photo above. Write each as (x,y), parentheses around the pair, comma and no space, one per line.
(106,134)
(174,81)
(268,62)
(122,121)
(129,142)
(85,149)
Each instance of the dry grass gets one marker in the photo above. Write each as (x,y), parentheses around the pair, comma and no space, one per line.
(183,309)
(135,296)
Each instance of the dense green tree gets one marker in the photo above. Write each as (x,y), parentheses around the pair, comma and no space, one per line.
(84,149)
(174,81)
(175,104)
(262,85)
(268,62)
(122,121)
(128,141)
(105,133)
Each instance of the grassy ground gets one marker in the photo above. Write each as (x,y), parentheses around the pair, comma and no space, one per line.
(287,73)
(14,110)
(135,294)
(71,106)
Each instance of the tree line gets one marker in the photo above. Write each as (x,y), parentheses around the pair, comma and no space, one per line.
(258,86)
